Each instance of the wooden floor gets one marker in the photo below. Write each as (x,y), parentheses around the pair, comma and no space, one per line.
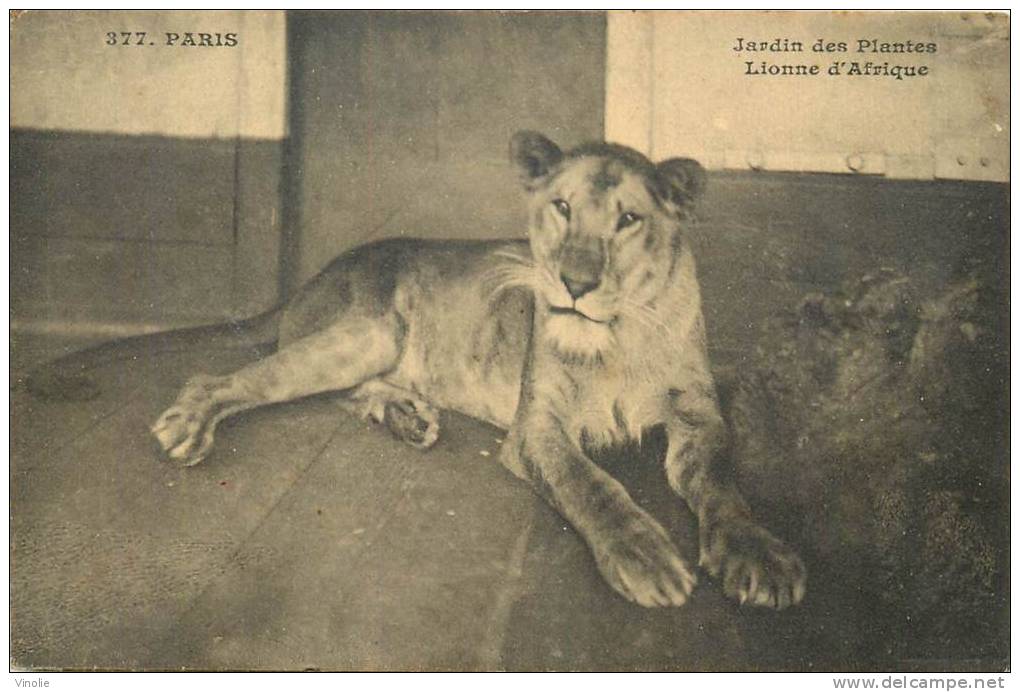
(312,540)
(308,540)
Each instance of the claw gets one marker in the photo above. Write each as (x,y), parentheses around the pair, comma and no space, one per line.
(761,572)
(799,589)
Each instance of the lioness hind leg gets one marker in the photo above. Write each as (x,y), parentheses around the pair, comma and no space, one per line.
(408,415)
(340,357)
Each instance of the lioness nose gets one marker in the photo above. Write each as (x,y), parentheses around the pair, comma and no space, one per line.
(578,287)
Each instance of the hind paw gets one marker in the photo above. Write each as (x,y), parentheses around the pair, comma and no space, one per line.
(185,430)
(409,417)
(413,421)
(179,433)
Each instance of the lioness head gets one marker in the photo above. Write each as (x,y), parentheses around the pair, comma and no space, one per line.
(605,229)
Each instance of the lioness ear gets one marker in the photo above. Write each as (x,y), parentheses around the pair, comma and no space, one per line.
(534,155)
(681,181)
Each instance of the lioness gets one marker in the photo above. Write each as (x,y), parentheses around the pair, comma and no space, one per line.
(580,337)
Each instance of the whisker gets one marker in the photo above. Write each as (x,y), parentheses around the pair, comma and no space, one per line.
(505,287)
(641,318)
(549,276)
(505,271)
(654,317)
(499,273)
(515,258)
(502,278)
(646,315)
(500,290)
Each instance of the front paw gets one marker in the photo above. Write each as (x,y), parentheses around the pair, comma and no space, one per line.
(642,564)
(756,567)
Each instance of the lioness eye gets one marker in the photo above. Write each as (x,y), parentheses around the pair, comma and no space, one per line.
(563,208)
(627,220)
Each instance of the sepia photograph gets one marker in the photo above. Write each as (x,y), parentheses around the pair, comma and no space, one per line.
(554,341)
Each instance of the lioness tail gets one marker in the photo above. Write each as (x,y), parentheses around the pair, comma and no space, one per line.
(67,377)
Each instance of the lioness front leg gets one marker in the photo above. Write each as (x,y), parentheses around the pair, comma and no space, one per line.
(339,357)
(632,551)
(756,567)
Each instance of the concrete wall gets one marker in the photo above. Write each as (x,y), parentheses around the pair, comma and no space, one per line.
(145,179)
(401,120)
(112,233)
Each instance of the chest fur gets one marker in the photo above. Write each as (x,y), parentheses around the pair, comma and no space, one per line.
(615,401)
(612,406)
